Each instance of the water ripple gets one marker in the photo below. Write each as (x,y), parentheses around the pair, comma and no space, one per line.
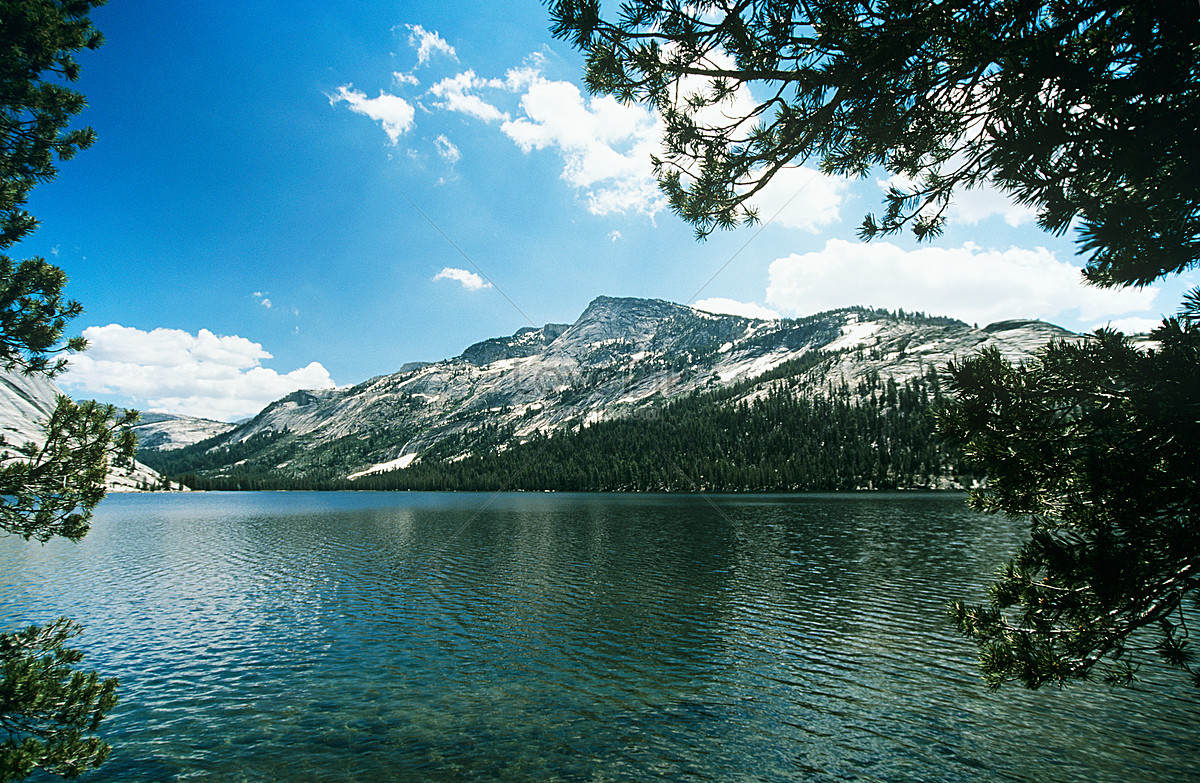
(413,637)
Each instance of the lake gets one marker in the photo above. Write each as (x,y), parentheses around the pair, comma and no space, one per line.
(560,637)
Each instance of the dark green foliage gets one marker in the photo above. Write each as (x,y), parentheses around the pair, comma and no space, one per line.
(33,315)
(38,41)
(779,442)
(1098,443)
(878,435)
(49,710)
(270,460)
(1083,109)
(50,490)
(207,455)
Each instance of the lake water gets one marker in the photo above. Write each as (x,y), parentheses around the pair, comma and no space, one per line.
(555,637)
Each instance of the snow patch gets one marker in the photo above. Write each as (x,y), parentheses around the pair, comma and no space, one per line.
(397,464)
(501,365)
(853,334)
(760,326)
(752,368)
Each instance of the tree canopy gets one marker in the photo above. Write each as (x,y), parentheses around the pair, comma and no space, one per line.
(48,710)
(1086,110)
(38,42)
(1097,442)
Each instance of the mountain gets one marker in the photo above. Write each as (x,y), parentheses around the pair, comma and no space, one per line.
(26,402)
(622,359)
(167,431)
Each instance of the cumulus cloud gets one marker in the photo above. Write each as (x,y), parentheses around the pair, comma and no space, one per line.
(968,282)
(979,203)
(391,111)
(605,145)
(972,205)
(1132,325)
(173,371)
(457,93)
(802,198)
(733,307)
(469,280)
(428,43)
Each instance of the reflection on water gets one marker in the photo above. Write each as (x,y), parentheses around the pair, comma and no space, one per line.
(414,637)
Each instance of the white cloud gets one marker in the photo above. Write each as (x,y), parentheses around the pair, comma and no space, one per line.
(406,78)
(979,203)
(968,282)
(391,111)
(614,235)
(1132,325)
(456,95)
(266,303)
(973,205)
(801,198)
(428,43)
(605,145)
(797,196)
(734,307)
(447,149)
(469,280)
(173,371)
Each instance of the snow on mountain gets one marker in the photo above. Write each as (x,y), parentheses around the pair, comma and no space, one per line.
(26,402)
(167,431)
(621,356)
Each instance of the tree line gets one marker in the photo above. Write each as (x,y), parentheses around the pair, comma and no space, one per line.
(878,434)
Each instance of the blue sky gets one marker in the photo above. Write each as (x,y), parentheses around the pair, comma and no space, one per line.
(303,194)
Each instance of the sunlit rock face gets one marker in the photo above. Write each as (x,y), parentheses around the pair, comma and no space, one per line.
(26,403)
(620,357)
(167,432)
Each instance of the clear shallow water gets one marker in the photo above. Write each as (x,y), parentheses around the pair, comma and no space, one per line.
(439,637)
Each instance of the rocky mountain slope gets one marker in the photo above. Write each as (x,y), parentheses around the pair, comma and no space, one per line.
(28,401)
(168,431)
(622,358)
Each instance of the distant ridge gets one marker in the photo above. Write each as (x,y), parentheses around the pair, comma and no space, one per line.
(26,403)
(623,358)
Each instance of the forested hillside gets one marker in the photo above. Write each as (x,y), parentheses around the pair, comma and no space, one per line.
(877,435)
(637,394)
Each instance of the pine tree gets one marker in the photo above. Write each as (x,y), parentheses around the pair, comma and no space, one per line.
(1085,110)
(49,710)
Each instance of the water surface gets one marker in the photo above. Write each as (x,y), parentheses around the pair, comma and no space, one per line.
(439,637)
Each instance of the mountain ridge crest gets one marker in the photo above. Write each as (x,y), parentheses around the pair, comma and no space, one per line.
(621,357)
